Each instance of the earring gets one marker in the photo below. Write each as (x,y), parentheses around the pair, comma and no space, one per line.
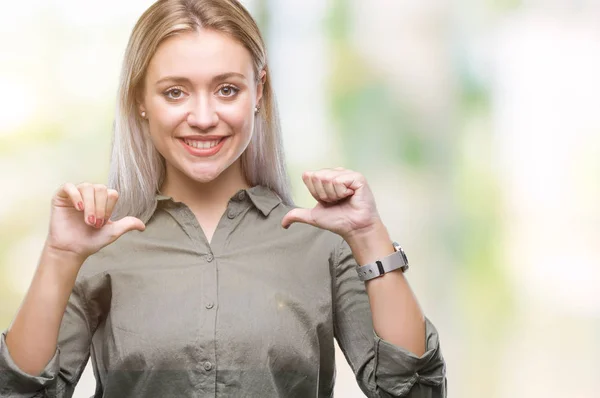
(256,109)
(144,114)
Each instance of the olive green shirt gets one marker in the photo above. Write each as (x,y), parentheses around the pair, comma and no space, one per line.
(253,313)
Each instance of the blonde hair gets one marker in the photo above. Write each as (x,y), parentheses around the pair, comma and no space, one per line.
(137,170)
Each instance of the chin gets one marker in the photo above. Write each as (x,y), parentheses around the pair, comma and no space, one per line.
(203,176)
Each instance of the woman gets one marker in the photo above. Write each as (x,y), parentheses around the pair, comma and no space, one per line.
(210,290)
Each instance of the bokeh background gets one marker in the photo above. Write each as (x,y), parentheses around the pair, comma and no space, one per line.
(476,124)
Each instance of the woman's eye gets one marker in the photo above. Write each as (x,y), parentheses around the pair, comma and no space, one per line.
(228,91)
(174,93)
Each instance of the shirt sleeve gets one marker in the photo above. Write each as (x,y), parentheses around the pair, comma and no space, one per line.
(61,374)
(382,369)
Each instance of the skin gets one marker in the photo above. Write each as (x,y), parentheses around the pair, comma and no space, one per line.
(180,98)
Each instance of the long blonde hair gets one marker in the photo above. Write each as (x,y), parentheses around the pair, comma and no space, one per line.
(137,170)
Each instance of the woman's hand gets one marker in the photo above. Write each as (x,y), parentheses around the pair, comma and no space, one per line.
(80,220)
(345,203)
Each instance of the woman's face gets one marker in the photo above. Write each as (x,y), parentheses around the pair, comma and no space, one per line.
(199,97)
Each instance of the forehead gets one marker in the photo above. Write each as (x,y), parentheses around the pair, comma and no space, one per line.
(199,56)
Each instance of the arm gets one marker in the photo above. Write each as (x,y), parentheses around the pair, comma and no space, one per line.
(383,368)
(52,312)
(397,317)
(31,340)
(55,318)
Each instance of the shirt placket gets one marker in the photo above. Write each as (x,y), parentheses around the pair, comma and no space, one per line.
(209,260)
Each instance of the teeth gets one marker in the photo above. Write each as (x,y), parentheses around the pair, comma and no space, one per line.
(201,144)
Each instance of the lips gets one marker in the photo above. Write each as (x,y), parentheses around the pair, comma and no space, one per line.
(204,137)
(203,152)
(195,142)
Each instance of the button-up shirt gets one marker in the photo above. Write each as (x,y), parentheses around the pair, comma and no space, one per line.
(252,313)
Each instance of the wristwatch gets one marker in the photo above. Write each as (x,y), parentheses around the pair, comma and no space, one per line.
(394,261)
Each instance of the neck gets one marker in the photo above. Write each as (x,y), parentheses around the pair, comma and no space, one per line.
(204,196)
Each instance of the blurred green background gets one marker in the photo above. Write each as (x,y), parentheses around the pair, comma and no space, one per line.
(476,124)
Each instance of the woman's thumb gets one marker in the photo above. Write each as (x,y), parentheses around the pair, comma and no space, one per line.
(125,224)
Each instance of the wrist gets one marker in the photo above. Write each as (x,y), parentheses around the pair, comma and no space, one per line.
(55,275)
(64,260)
(367,235)
(370,244)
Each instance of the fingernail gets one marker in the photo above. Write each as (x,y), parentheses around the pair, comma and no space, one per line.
(99,222)
(92,220)
(80,205)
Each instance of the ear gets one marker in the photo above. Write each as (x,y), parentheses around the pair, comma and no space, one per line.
(260,85)
(139,100)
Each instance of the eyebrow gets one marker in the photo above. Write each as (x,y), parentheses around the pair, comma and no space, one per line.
(222,76)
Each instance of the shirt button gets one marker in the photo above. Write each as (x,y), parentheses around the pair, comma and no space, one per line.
(241,195)
(207,365)
(209,305)
(209,257)
(231,213)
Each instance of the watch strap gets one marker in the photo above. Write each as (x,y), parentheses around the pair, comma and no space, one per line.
(394,261)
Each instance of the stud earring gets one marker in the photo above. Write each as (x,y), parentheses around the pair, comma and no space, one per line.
(256,109)
(144,114)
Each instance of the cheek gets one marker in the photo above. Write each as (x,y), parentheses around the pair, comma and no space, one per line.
(239,118)
(164,118)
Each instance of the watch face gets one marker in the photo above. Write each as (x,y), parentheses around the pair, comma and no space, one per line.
(404,256)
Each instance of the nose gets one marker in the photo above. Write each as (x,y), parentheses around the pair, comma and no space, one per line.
(202,114)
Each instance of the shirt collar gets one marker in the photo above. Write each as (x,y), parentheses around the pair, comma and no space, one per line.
(262,197)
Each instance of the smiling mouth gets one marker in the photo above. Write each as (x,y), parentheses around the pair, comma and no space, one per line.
(203,147)
(202,144)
